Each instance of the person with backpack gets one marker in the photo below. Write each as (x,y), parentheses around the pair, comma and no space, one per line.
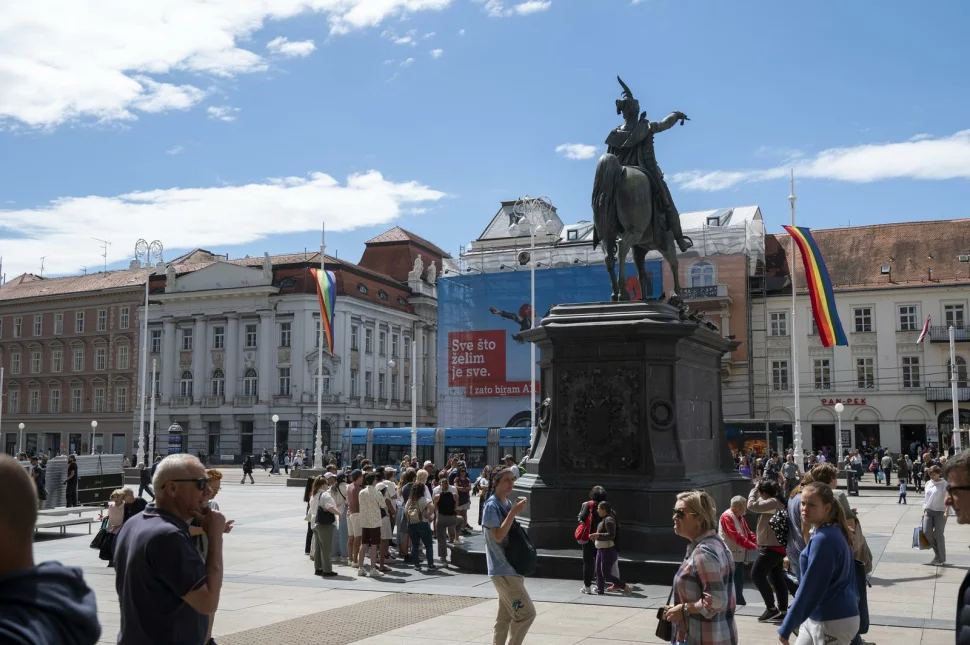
(772,534)
(419,527)
(323,517)
(516,613)
(586,519)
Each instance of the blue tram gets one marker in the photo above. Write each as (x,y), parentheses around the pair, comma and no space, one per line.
(481,446)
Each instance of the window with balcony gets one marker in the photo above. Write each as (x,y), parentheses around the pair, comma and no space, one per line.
(251,336)
(123,357)
(13,401)
(354,332)
(702,274)
(15,362)
(382,343)
(250,382)
(121,398)
(77,363)
(57,360)
(908,317)
(185,384)
(79,322)
(779,323)
(124,317)
(38,324)
(101,358)
(98,400)
(33,402)
(368,384)
(35,362)
(353,383)
(58,324)
(910,371)
(779,376)
(18,327)
(822,369)
(284,381)
(961,371)
(102,319)
(77,399)
(865,371)
(156,341)
(286,334)
(218,337)
(218,383)
(368,341)
(862,317)
(187,340)
(54,401)
(954,316)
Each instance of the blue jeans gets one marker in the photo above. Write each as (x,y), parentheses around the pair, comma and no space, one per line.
(418,533)
(340,538)
(739,583)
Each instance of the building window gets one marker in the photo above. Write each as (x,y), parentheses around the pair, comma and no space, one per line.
(98,399)
(185,384)
(187,340)
(35,362)
(79,322)
(156,341)
(15,362)
(961,371)
(911,371)
(779,376)
(353,383)
(908,317)
(121,398)
(76,399)
(823,374)
(101,358)
(382,343)
(865,371)
(102,319)
(362,289)
(38,324)
(863,319)
(219,337)
(368,384)
(18,326)
(13,401)
(394,345)
(368,341)
(354,333)
(58,324)
(953,316)
(57,360)
(394,392)
(286,334)
(407,347)
(702,275)
(251,336)
(78,360)
(779,323)
(54,401)
(218,383)
(33,402)
(407,387)
(316,332)
(123,357)
(326,382)
(814,328)
(381,386)
(382,295)
(250,382)
(284,381)
(124,317)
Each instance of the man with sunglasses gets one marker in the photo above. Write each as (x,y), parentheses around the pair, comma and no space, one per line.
(167,591)
(956,472)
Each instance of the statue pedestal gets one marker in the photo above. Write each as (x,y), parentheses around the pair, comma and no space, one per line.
(634,405)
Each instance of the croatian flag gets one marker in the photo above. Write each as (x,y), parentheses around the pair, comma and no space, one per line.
(926,330)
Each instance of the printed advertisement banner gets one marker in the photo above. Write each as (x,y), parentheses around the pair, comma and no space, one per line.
(484,371)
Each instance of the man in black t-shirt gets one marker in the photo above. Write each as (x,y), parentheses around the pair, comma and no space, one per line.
(40,481)
(71,482)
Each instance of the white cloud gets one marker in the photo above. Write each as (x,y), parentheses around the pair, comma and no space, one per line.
(407,62)
(283,47)
(409,38)
(430,34)
(389,61)
(576,151)
(497,8)
(174,150)
(922,157)
(205,216)
(222,112)
(437,53)
(63,60)
(461,32)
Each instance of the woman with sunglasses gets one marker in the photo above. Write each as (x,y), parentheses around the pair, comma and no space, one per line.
(703,591)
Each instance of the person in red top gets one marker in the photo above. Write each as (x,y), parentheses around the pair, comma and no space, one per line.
(734,530)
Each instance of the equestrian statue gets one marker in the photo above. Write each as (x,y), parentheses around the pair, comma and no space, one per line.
(632,206)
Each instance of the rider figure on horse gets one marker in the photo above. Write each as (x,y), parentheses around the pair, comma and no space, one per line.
(632,143)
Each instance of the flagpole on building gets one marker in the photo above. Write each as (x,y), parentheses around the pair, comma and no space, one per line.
(954,394)
(318,444)
(797,427)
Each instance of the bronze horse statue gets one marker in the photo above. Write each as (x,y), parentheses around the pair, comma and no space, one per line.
(631,208)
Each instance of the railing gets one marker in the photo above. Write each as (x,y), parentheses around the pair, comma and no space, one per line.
(212,401)
(180,402)
(704,293)
(244,401)
(327,398)
(941,334)
(938,393)
(282,398)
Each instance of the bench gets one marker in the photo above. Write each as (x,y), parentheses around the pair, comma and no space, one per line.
(63,524)
(72,510)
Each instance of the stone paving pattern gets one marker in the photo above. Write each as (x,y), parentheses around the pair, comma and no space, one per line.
(270,584)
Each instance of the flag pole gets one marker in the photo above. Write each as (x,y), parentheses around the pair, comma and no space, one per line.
(797,428)
(954,393)
(318,444)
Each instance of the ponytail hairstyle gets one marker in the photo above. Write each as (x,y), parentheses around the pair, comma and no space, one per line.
(608,508)
(806,479)
(318,483)
(837,515)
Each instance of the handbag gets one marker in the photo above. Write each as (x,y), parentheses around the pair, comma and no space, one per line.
(107,550)
(519,550)
(101,535)
(585,528)
(919,539)
(325,517)
(665,629)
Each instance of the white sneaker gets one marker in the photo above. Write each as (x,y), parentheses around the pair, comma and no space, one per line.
(361,573)
(586,590)
(376,573)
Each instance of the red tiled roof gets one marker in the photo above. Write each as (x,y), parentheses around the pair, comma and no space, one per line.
(31,286)
(398,234)
(919,253)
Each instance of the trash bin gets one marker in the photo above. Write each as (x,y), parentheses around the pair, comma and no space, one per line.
(851,482)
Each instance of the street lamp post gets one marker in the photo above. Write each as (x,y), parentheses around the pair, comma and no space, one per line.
(144,253)
(414,390)
(276,419)
(20,441)
(94,428)
(839,408)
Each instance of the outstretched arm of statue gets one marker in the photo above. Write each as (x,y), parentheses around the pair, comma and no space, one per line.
(668,122)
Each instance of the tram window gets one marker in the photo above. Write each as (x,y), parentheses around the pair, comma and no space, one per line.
(390,455)
(425,453)
(474,455)
(517,452)
(358,449)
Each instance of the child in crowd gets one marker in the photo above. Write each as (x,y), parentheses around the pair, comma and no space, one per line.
(902,492)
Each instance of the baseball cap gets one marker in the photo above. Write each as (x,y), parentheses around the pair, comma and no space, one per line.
(328,475)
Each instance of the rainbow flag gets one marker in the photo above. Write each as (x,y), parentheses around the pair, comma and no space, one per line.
(819,288)
(327,297)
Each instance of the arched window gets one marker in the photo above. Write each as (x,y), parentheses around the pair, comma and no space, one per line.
(249,382)
(326,382)
(185,384)
(961,372)
(702,274)
(218,383)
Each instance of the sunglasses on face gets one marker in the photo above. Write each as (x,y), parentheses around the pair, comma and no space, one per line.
(679,514)
(950,489)
(201,482)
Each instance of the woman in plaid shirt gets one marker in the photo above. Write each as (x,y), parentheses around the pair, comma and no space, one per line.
(704,602)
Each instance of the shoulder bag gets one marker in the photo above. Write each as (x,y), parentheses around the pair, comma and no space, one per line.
(585,528)
(519,550)
(665,630)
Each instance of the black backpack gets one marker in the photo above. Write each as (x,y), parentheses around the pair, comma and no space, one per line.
(519,550)
(779,526)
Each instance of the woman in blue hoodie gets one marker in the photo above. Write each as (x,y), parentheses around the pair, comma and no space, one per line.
(827,603)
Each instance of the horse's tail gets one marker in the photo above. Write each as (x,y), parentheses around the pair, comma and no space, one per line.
(609,173)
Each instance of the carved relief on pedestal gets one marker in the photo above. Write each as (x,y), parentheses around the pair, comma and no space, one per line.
(598,419)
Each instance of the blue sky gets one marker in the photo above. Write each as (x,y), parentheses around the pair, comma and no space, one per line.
(237,126)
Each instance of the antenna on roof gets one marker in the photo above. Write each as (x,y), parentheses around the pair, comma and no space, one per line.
(42,266)
(104,248)
(84,270)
